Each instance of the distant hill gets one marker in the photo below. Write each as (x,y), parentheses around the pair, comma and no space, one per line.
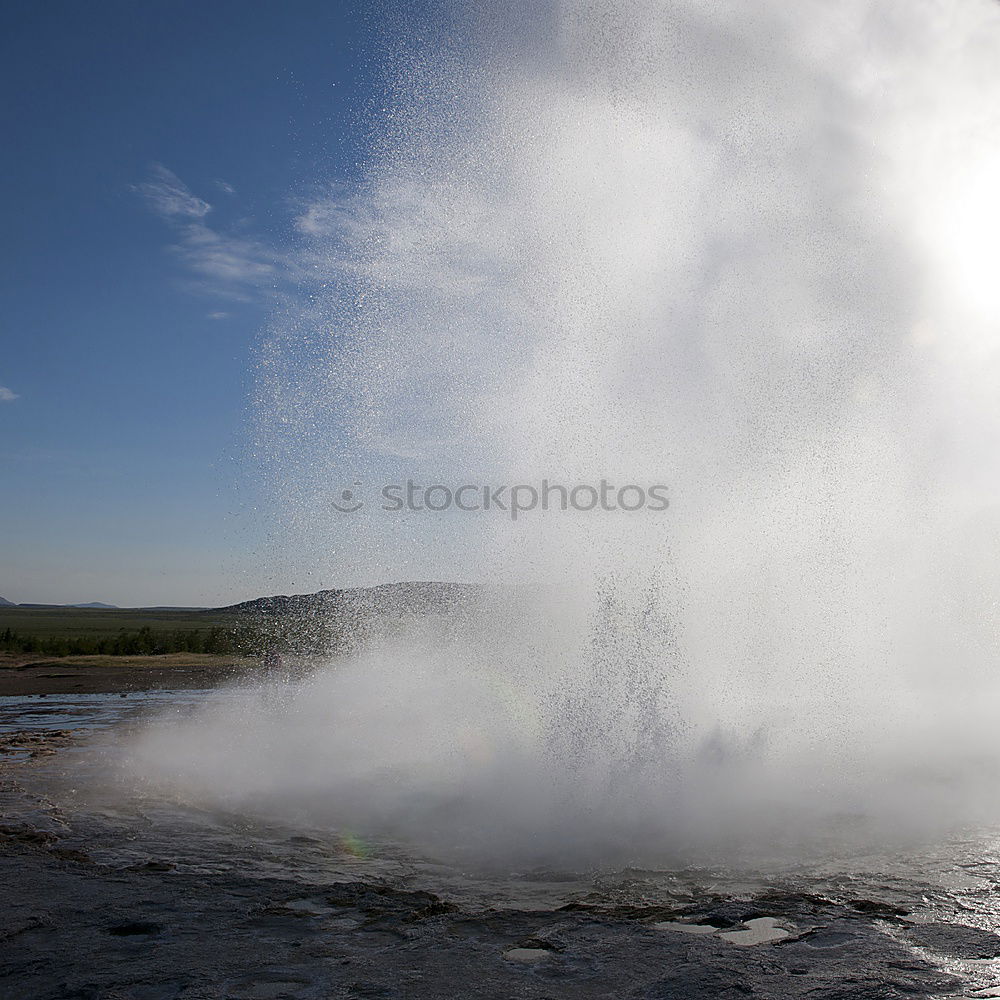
(387,599)
(169,607)
(417,597)
(93,604)
(326,623)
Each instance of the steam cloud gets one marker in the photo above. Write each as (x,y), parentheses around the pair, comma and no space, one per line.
(743,250)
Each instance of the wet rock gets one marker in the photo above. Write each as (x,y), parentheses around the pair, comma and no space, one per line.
(541,944)
(381,900)
(695,982)
(878,909)
(135,928)
(13,924)
(32,743)
(307,908)
(369,991)
(275,989)
(623,911)
(27,835)
(153,866)
(824,938)
(71,854)
(527,956)
(217,947)
(547,875)
(955,940)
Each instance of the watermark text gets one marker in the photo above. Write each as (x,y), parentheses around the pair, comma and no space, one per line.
(511,500)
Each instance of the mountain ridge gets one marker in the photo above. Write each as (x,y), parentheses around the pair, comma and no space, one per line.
(414,597)
(408,596)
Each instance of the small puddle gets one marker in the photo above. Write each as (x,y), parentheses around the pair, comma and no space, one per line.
(527,956)
(760,930)
(676,925)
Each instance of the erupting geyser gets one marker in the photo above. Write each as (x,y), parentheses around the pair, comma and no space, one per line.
(746,251)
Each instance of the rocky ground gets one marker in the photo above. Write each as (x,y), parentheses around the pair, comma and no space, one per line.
(74,929)
(80,922)
(25,674)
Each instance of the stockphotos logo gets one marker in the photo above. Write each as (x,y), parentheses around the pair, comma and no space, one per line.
(511,501)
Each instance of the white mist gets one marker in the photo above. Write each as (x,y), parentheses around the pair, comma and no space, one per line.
(744,252)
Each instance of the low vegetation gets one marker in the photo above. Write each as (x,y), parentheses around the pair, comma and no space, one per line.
(58,632)
(141,642)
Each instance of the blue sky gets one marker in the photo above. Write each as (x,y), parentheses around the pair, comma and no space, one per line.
(155,154)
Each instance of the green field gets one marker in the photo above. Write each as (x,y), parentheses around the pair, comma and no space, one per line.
(97,623)
(138,632)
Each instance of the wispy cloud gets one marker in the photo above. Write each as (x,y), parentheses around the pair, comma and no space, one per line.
(6,395)
(225,187)
(218,314)
(323,217)
(232,265)
(170,197)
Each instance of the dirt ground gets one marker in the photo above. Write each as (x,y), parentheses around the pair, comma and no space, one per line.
(23,674)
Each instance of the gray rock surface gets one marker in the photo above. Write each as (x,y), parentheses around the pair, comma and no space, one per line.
(72,929)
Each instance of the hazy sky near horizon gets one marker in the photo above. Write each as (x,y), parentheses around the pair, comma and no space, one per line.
(158,157)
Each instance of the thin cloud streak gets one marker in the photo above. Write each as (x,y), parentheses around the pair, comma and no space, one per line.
(170,197)
(232,266)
